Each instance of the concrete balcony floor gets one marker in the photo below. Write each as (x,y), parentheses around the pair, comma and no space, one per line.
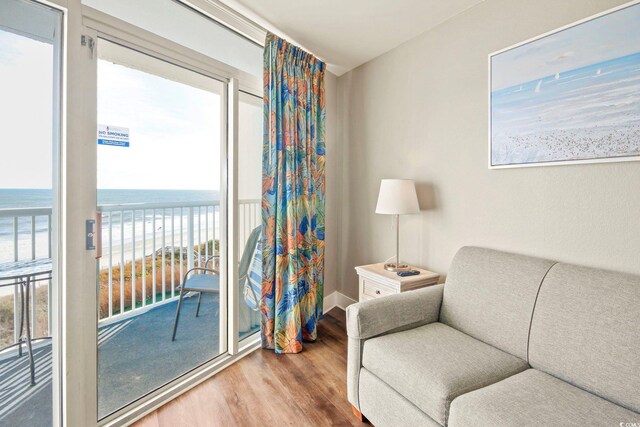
(135,356)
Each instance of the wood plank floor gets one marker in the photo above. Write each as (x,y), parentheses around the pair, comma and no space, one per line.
(306,389)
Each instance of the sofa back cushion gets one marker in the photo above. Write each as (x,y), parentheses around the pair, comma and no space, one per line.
(490,295)
(586,330)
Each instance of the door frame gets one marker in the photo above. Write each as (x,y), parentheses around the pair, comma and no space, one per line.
(98,25)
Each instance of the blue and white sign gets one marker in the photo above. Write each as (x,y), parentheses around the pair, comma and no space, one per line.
(113,135)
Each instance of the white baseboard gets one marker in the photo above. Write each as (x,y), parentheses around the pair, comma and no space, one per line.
(336,299)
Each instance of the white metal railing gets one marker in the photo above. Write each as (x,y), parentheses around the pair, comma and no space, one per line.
(146,249)
(25,233)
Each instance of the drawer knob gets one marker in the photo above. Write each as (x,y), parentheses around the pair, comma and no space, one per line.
(377,292)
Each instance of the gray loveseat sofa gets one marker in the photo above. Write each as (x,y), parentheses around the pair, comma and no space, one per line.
(509,340)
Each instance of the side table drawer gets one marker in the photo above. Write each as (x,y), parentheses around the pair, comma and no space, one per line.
(373,289)
(375,281)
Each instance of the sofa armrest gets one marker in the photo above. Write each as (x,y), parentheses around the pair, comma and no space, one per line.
(378,316)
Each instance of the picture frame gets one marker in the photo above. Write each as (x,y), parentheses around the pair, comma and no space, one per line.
(568,96)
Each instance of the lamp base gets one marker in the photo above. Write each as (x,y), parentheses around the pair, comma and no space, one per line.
(392,266)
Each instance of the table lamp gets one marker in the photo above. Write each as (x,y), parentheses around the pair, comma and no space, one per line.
(397,197)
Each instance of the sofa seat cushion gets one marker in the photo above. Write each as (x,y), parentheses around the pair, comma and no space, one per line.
(433,364)
(533,398)
(383,406)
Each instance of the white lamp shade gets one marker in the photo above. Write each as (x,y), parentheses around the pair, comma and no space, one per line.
(397,197)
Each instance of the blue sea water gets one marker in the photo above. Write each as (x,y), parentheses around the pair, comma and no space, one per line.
(30,198)
(39,198)
(585,113)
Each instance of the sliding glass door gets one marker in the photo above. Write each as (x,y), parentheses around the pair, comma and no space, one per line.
(30,111)
(161,183)
(160,191)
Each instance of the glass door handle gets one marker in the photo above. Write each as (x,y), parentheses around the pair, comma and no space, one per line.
(98,235)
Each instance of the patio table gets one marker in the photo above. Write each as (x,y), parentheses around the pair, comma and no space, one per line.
(25,273)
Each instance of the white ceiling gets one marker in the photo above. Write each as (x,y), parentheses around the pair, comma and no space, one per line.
(348,33)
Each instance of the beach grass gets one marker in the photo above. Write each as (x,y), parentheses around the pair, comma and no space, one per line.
(171,270)
(41,320)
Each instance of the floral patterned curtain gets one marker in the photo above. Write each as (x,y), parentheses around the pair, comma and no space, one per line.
(293,188)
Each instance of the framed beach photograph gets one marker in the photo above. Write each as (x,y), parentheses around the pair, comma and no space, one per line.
(568,96)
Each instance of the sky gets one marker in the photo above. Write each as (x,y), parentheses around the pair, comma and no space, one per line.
(174,132)
(610,36)
(175,128)
(26,103)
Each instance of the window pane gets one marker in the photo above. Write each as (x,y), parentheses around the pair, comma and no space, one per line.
(159,177)
(30,119)
(249,211)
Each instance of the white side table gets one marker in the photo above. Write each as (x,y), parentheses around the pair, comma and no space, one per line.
(376,282)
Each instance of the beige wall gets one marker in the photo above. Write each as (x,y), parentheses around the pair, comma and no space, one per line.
(420,112)
(332,176)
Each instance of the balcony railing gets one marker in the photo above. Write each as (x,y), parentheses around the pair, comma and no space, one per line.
(146,249)
(25,234)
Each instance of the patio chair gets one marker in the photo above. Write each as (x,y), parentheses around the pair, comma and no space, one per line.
(207,280)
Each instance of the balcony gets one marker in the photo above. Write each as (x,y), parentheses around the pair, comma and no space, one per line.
(146,250)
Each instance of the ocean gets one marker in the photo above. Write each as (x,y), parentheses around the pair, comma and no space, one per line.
(31,198)
(121,230)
